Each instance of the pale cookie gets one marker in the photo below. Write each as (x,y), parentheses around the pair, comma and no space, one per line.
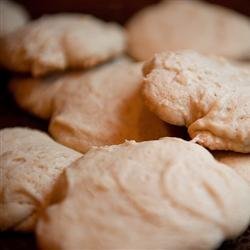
(175,25)
(239,162)
(12,16)
(208,95)
(30,163)
(59,42)
(95,108)
(165,194)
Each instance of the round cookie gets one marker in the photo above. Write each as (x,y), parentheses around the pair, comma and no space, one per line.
(162,194)
(208,95)
(176,25)
(95,108)
(30,163)
(239,162)
(59,42)
(13,16)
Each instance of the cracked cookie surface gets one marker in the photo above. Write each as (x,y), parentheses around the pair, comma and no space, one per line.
(162,194)
(208,95)
(60,42)
(100,107)
(30,163)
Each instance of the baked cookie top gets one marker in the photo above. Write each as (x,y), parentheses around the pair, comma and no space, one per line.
(208,95)
(30,163)
(58,42)
(95,108)
(162,194)
(238,161)
(177,25)
(13,16)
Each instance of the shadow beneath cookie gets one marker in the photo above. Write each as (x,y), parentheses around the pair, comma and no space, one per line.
(17,241)
(10,114)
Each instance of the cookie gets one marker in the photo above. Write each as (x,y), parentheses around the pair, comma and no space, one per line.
(13,16)
(209,96)
(239,162)
(162,194)
(177,25)
(30,163)
(59,42)
(95,108)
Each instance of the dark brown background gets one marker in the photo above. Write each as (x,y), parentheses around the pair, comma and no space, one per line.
(115,10)
(110,10)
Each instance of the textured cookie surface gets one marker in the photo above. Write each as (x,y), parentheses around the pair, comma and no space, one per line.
(208,95)
(59,42)
(239,162)
(162,194)
(30,163)
(100,107)
(175,25)
(13,16)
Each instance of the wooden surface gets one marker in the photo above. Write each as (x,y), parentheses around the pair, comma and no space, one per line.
(11,115)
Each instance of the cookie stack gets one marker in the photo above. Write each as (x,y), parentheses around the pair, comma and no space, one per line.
(150,154)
